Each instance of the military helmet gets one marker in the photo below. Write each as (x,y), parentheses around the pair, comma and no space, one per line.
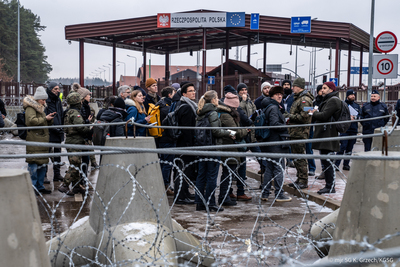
(73,98)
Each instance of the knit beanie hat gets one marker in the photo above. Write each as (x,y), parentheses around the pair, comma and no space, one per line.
(276,90)
(75,87)
(350,92)
(40,93)
(150,82)
(287,81)
(231,100)
(331,85)
(51,85)
(176,86)
(229,89)
(299,82)
(119,103)
(265,84)
(241,86)
(83,92)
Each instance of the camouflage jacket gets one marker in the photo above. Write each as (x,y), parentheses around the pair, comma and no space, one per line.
(75,135)
(299,116)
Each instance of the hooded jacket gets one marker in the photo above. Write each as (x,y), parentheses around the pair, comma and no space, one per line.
(113,114)
(274,116)
(330,107)
(35,116)
(54,104)
(230,118)
(214,122)
(133,112)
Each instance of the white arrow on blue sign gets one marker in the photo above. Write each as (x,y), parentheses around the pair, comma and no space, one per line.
(211,80)
(334,80)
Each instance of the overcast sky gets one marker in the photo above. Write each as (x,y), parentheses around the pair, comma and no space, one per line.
(56,14)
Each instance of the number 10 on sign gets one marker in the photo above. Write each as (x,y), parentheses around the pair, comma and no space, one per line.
(385,66)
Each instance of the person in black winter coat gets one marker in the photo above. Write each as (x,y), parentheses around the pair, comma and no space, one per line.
(186,116)
(108,102)
(275,167)
(1,121)
(265,87)
(346,146)
(54,104)
(372,109)
(116,113)
(329,109)
(3,109)
(164,141)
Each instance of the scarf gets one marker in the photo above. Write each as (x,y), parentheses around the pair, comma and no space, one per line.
(191,103)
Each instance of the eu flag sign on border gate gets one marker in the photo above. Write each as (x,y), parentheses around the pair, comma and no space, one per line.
(254,21)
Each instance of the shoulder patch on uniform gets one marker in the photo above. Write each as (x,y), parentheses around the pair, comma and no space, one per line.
(78,116)
(303,101)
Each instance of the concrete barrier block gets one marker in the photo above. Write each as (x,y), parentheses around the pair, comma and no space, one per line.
(393,140)
(78,237)
(370,204)
(141,243)
(21,235)
(189,248)
(138,196)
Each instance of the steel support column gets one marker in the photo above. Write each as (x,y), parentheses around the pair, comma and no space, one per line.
(349,63)
(81,63)
(337,58)
(265,57)
(114,63)
(204,80)
(144,65)
(166,68)
(248,49)
(227,53)
(361,65)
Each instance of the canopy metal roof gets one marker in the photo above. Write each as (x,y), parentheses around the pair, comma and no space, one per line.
(136,33)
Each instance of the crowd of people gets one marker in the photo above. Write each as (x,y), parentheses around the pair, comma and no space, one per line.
(289,104)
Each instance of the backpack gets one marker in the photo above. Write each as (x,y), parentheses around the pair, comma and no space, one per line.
(154,112)
(20,122)
(343,116)
(261,120)
(203,137)
(170,120)
(100,133)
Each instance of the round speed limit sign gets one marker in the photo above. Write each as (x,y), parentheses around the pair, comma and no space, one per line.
(385,66)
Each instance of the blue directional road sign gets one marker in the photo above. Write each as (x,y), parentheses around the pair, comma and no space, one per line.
(300,25)
(356,70)
(334,80)
(255,21)
(211,80)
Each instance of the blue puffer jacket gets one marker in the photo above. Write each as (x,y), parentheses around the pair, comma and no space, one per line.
(372,110)
(354,126)
(139,118)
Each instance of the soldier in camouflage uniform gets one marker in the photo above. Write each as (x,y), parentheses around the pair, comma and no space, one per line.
(297,116)
(74,136)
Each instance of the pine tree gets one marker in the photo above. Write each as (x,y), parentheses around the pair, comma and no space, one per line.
(34,65)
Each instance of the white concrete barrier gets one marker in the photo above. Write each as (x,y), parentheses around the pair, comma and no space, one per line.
(129,219)
(370,205)
(21,234)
